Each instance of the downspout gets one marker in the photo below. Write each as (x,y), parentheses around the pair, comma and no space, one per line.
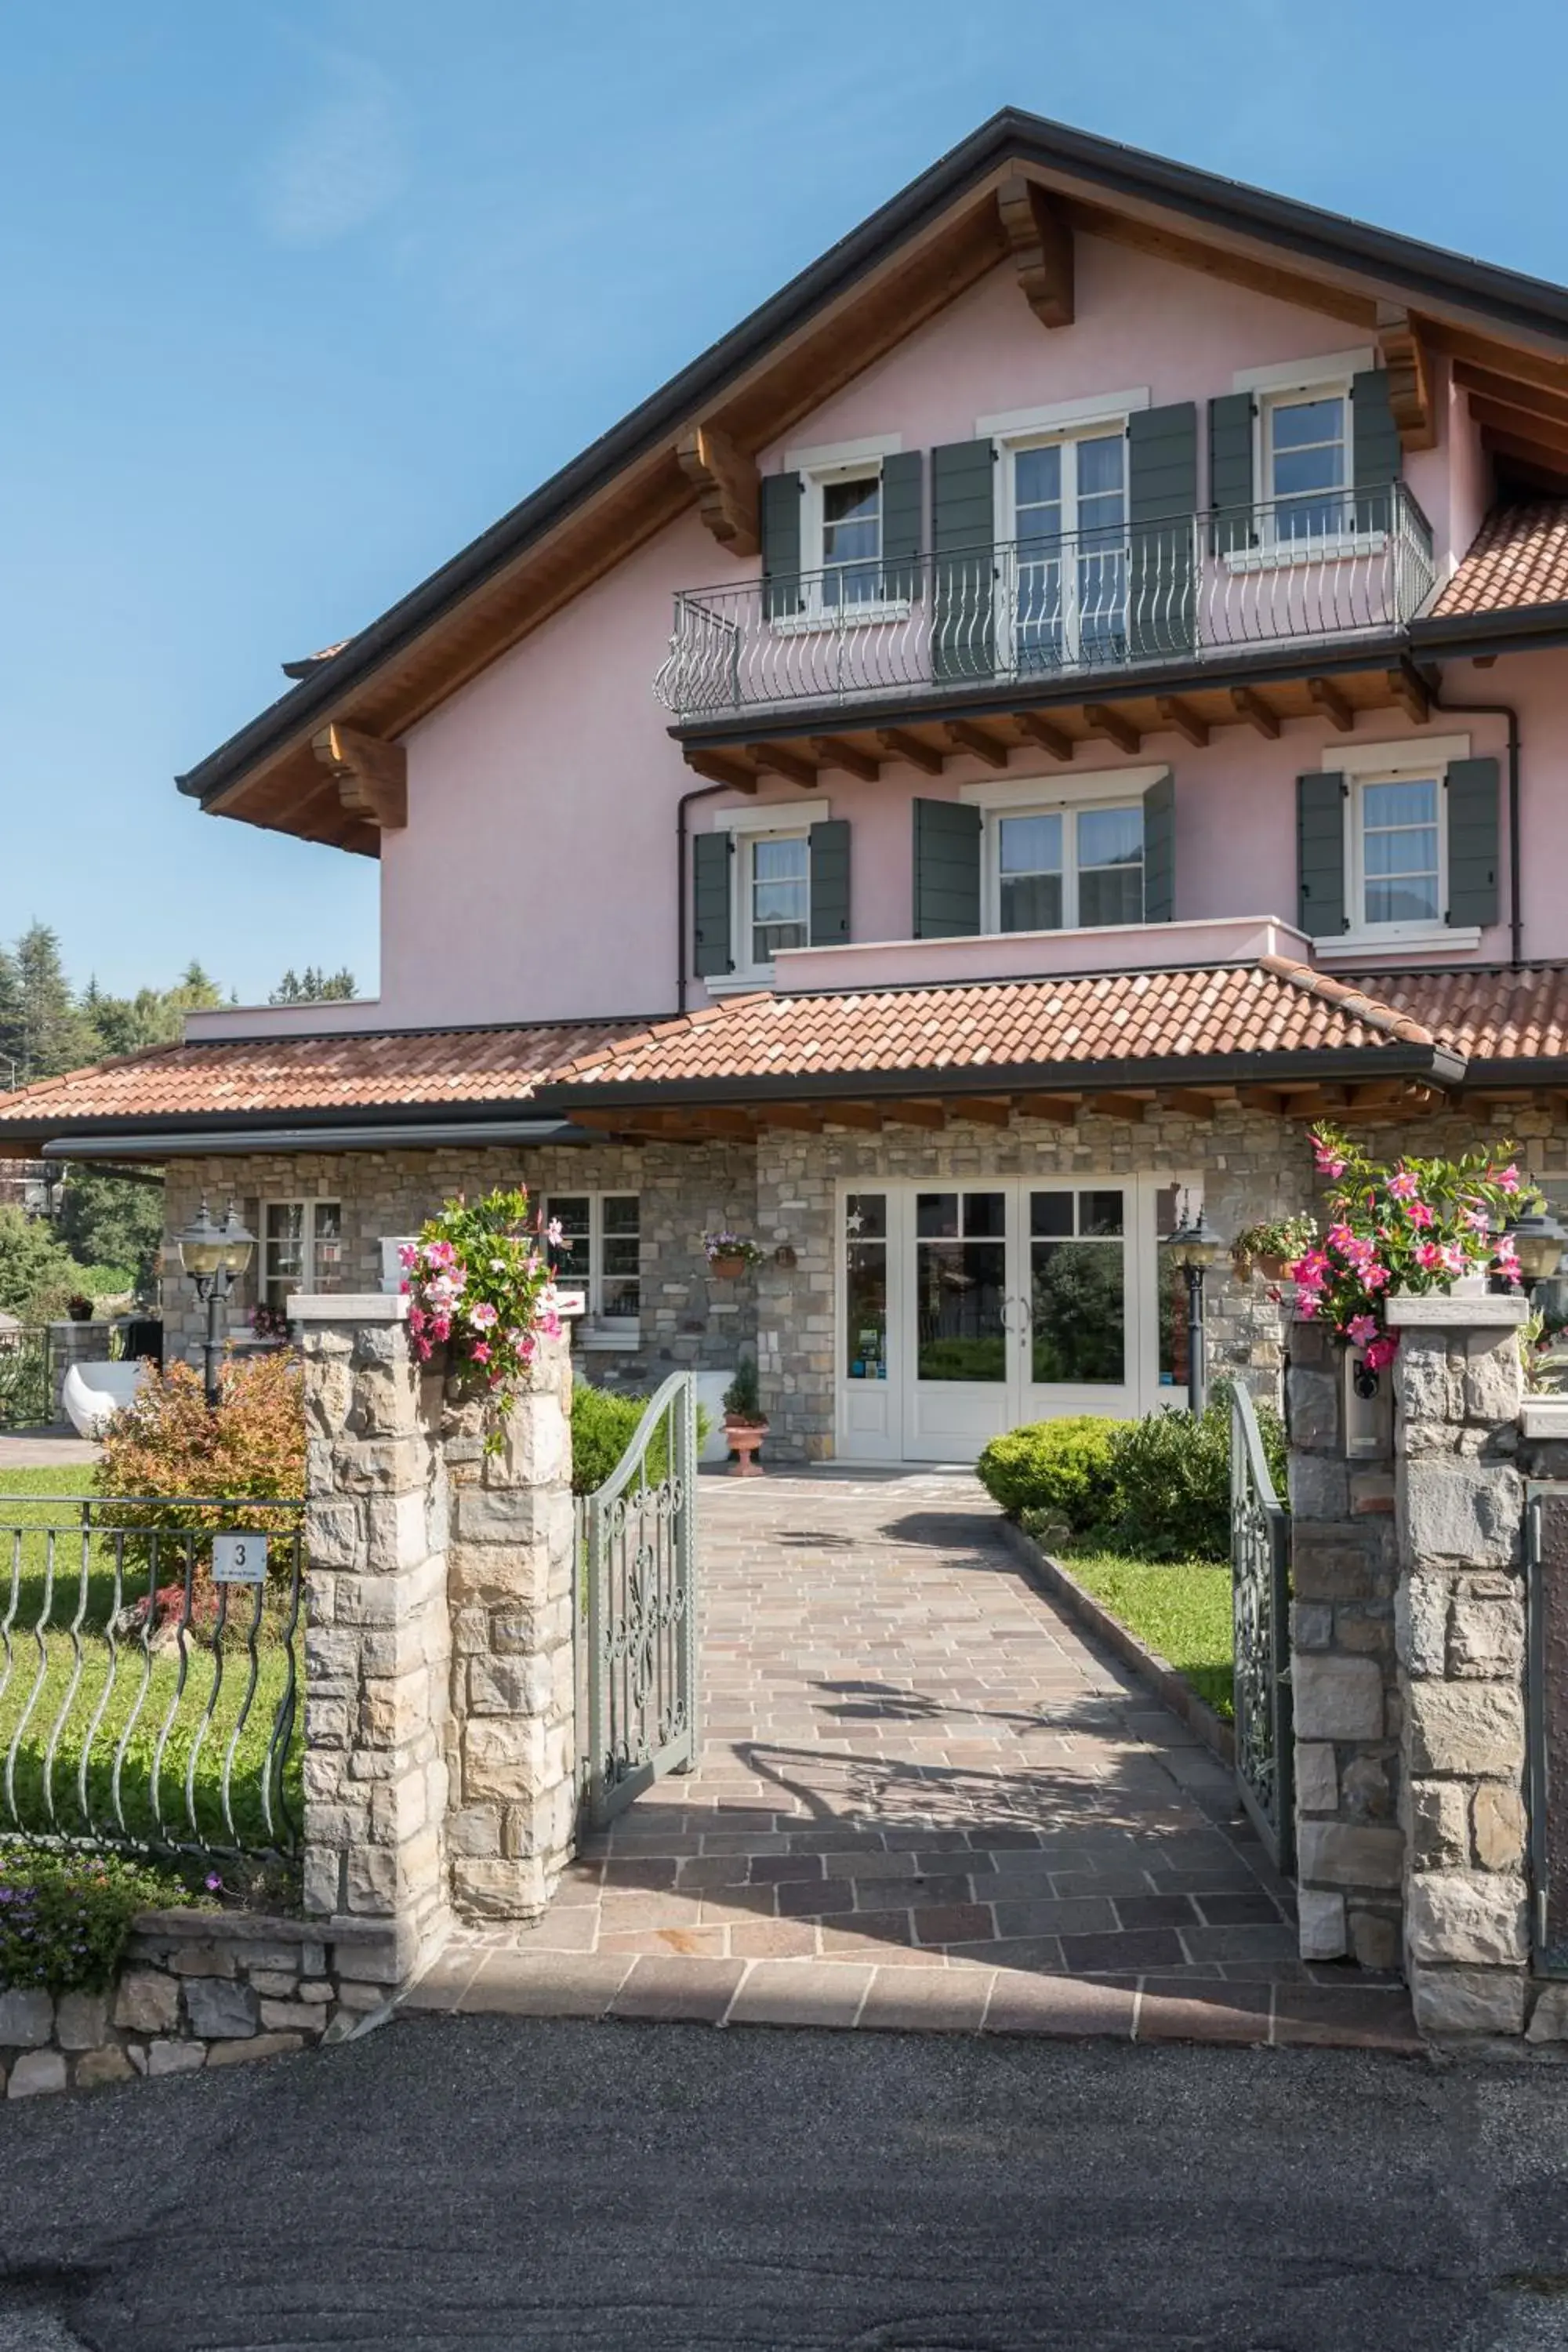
(699,793)
(1508,711)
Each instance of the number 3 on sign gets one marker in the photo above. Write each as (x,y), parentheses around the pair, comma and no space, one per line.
(239,1559)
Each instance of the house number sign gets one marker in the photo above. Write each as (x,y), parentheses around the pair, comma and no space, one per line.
(239,1559)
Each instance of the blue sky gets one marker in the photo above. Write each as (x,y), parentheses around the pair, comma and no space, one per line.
(298,299)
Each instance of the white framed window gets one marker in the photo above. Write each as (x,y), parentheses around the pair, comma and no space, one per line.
(1305,468)
(1063,514)
(601,1254)
(770,888)
(1064,867)
(301,1249)
(1398,876)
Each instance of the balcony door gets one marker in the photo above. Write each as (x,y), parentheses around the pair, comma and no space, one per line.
(970,1307)
(1067,600)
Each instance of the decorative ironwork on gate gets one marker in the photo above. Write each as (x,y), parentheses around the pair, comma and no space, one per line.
(637,1607)
(1260,1598)
(149,1673)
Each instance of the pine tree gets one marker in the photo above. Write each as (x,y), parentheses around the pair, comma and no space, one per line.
(56,1033)
(13,1067)
(315,986)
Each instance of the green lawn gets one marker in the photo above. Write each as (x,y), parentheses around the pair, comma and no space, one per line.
(1180,1608)
(98,1736)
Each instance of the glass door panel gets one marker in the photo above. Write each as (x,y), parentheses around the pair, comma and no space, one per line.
(1077,1289)
(961,1285)
(868,1388)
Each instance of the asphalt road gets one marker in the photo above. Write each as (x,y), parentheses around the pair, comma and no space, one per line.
(496,2183)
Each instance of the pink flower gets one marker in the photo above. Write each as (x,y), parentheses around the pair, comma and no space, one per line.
(1374,1277)
(1403,1185)
(1454,1257)
(481,1314)
(441,1327)
(1429,1256)
(1328,1162)
(480,1351)
(1307,1305)
(416,1316)
(1507,1264)
(1506,1180)
(1382,1351)
(1361,1328)
(1419,1214)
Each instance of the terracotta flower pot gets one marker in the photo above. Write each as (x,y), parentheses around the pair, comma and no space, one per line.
(730,1265)
(744,1438)
(1272,1266)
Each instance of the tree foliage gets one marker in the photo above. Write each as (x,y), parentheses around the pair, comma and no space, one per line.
(37,1273)
(315,986)
(112,1221)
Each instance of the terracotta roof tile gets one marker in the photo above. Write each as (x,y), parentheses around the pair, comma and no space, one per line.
(387,1069)
(1520,556)
(1489,1015)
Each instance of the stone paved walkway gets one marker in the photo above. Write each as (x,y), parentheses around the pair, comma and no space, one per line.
(924,1800)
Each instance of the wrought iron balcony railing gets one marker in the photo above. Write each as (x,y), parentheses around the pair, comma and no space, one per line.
(1335,564)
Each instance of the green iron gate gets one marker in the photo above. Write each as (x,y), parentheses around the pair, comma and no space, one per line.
(637,1607)
(1260,1600)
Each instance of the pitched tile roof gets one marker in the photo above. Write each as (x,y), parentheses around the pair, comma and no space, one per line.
(386,1068)
(1269,1007)
(1488,1015)
(1520,556)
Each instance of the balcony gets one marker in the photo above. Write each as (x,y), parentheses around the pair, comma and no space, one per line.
(1092,609)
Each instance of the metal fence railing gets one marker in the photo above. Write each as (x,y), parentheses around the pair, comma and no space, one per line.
(26,1386)
(1335,565)
(1260,1603)
(150,1674)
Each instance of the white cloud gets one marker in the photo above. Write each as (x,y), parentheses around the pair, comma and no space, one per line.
(338,165)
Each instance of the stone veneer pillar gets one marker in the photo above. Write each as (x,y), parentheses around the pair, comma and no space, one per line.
(1461,1646)
(73,1343)
(440,1717)
(1345,1566)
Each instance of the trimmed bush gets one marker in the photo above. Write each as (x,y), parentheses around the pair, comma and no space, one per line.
(167,1441)
(1063,1468)
(604,1423)
(1172,1479)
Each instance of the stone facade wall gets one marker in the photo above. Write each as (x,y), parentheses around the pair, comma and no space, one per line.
(1462,1655)
(198,1988)
(73,1343)
(1344,1571)
(689,1320)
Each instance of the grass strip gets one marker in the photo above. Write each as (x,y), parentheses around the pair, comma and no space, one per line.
(1180,1608)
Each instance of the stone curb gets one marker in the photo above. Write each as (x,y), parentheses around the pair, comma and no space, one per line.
(1059,1584)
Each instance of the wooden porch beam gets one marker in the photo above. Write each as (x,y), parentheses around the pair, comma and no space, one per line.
(1251,706)
(726,483)
(799,1116)
(1038,231)
(899,745)
(1325,695)
(1404,350)
(721,768)
(917,1114)
(791,765)
(966,736)
(1410,694)
(1051,739)
(986,1111)
(1268,1098)
(1111,1105)
(1060,1110)
(855,1114)
(1182,718)
(1114,725)
(1188,1102)
(372,777)
(834,752)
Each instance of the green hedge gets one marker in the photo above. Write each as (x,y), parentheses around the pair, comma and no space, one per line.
(604,1423)
(1157,1488)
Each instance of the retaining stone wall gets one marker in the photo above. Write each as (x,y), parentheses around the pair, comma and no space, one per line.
(198,1988)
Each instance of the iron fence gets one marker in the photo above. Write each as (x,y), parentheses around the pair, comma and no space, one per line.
(150,1674)
(27,1385)
(1260,1590)
(1340,565)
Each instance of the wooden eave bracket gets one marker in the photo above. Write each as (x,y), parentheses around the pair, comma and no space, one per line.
(726,483)
(1038,231)
(1403,355)
(372,777)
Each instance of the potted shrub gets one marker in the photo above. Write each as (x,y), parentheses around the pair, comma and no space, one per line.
(80,1307)
(729,1255)
(1419,1227)
(1270,1247)
(745,1425)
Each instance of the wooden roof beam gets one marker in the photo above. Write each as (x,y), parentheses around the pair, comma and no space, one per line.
(1549,435)
(1411,694)
(800,1115)
(966,736)
(1114,725)
(792,765)
(1544,465)
(986,1111)
(1111,1105)
(900,745)
(1059,1110)
(1182,718)
(721,768)
(834,752)
(372,777)
(726,483)
(1325,695)
(918,1114)
(864,1116)
(1403,352)
(1503,391)
(1251,706)
(1052,738)
(1039,230)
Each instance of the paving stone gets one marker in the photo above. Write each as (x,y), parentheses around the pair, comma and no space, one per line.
(700,1990)
(799,1992)
(1147,1947)
(926,2001)
(1174,2008)
(1059,2005)
(1155,1911)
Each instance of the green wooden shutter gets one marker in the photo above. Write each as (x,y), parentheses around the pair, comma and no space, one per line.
(1232,494)
(947,869)
(778,513)
(964,533)
(1321,854)
(1160,851)
(1472,814)
(1162,505)
(711,855)
(903,521)
(829,845)
(1374,449)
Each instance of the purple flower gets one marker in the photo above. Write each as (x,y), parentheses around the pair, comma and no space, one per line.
(213,1883)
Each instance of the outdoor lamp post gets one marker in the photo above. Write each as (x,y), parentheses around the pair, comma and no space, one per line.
(1539,1242)
(213,1256)
(1193,1248)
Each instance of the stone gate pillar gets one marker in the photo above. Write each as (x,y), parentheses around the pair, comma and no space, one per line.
(1461,1647)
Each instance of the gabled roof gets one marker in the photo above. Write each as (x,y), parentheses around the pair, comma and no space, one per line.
(898,269)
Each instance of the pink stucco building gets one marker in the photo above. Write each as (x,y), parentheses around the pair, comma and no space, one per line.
(1069,691)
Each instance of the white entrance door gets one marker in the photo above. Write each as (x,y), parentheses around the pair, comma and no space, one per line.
(969,1306)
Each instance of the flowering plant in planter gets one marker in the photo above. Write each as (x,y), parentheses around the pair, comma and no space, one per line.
(480,1283)
(1416,1226)
(731,1254)
(1271,1246)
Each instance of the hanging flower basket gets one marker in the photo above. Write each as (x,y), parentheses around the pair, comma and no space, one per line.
(481,1287)
(730,1256)
(1270,1249)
